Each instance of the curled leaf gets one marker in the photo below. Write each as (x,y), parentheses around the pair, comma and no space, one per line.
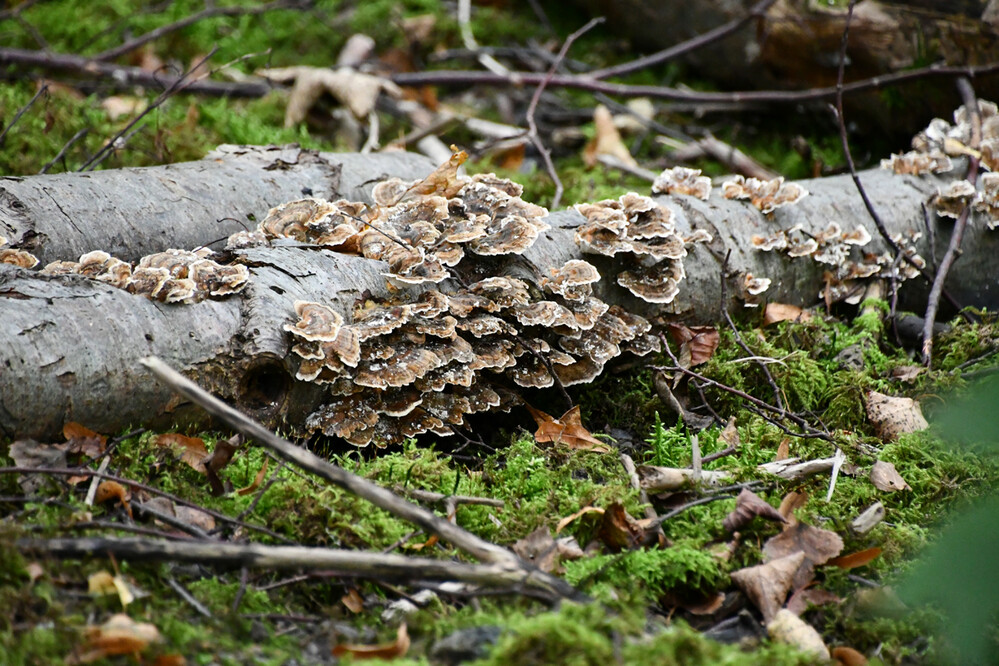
(397,648)
(885,477)
(747,506)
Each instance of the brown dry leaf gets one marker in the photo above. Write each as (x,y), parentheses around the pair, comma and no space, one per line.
(568,519)
(885,477)
(619,531)
(195,517)
(567,429)
(220,457)
(853,560)
(109,490)
(101,583)
(818,546)
(118,636)
(257,480)
(697,343)
(815,596)
(767,585)
(83,440)
(511,158)
(906,373)
(34,571)
(775,312)
(708,606)
(783,450)
(786,627)
(730,434)
(192,449)
(791,503)
(748,505)
(357,91)
(398,648)
(353,601)
(538,548)
(444,180)
(606,140)
(29,454)
(170,660)
(117,106)
(847,656)
(892,416)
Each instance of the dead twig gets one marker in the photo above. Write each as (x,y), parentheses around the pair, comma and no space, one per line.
(479,548)
(62,151)
(954,246)
(437,498)
(208,12)
(20,112)
(259,556)
(677,50)
(532,126)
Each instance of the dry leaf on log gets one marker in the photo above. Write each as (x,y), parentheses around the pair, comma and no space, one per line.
(817,545)
(767,585)
(397,648)
(567,429)
(885,477)
(747,506)
(892,416)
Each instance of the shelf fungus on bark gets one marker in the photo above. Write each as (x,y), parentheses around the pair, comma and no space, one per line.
(424,358)
(17,257)
(637,225)
(682,180)
(766,195)
(987,202)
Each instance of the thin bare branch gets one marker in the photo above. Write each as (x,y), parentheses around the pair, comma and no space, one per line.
(20,112)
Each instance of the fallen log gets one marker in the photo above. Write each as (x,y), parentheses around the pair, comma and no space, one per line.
(70,346)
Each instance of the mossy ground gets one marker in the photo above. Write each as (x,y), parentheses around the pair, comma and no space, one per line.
(45,616)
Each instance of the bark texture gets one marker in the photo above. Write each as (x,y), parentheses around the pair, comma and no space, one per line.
(70,346)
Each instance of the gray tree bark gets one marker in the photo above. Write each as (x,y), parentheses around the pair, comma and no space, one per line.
(70,346)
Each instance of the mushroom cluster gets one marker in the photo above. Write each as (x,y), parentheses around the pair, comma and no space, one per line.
(171,276)
(933,149)
(834,247)
(681,180)
(637,225)
(766,195)
(449,342)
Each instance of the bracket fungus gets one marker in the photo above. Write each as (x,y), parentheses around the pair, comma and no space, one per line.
(17,257)
(681,180)
(638,225)
(766,195)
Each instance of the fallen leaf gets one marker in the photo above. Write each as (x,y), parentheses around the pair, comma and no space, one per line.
(730,434)
(170,660)
(619,531)
(775,312)
(194,517)
(444,180)
(257,480)
(353,601)
(792,502)
(748,505)
(81,439)
(697,343)
(117,106)
(818,546)
(810,596)
(214,463)
(118,636)
(853,560)
(847,656)
(358,92)
(783,450)
(906,373)
(110,490)
(606,140)
(29,454)
(101,583)
(568,429)
(34,571)
(767,585)
(788,628)
(192,449)
(892,416)
(568,519)
(885,477)
(398,648)
(708,606)
(538,548)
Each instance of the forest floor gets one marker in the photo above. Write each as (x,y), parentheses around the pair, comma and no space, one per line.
(916,586)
